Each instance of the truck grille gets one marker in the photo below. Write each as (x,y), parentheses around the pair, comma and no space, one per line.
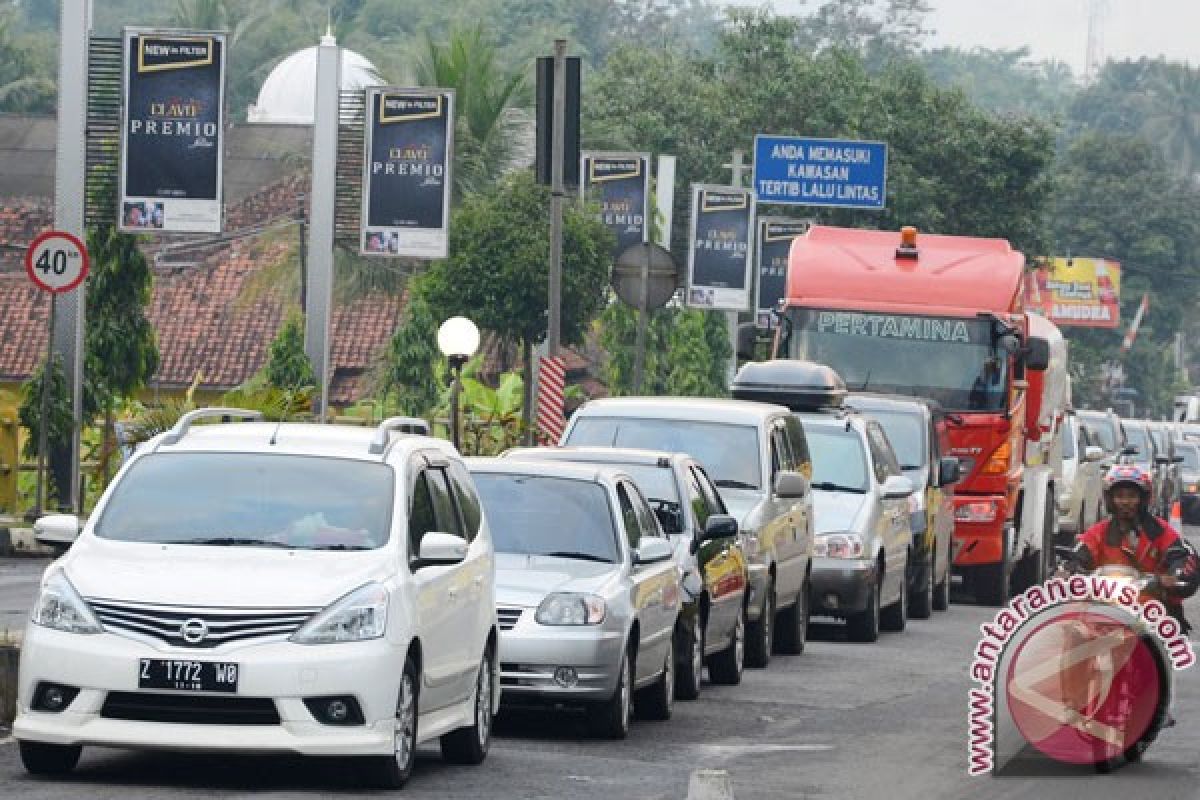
(206,627)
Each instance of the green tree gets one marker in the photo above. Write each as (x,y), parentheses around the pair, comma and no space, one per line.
(121,349)
(486,94)
(497,271)
(27,82)
(58,419)
(408,367)
(287,366)
(1109,204)
(691,359)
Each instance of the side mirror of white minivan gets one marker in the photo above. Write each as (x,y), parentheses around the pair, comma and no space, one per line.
(1093,453)
(897,486)
(57,530)
(441,549)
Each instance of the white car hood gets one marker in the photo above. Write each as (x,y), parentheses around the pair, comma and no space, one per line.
(523,580)
(227,577)
(836,511)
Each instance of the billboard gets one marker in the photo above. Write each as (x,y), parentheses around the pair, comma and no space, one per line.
(406,172)
(1077,291)
(172,131)
(720,248)
(774,242)
(620,184)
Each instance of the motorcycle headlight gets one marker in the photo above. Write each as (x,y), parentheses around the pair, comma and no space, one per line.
(356,617)
(59,606)
(571,608)
(838,545)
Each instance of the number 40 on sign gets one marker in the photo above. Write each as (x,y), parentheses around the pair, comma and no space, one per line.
(56,261)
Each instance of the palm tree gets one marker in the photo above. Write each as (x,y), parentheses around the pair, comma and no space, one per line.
(1173,117)
(489,105)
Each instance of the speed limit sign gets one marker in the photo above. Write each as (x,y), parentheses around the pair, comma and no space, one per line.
(56,261)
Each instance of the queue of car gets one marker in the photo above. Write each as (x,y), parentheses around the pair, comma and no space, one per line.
(386,591)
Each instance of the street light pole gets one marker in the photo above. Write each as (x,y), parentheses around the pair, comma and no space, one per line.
(458,339)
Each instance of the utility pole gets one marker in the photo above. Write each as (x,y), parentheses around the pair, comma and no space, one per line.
(70,167)
(737,167)
(557,145)
(318,285)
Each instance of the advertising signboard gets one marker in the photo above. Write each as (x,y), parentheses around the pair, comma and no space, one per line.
(1077,291)
(406,175)
(620,184)
(172,132)
(720,248)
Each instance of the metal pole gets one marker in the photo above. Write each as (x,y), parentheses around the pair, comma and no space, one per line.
(43,427)
(557,146)
(664,195)
(70,165)
(319,284)
(455,369)
(639,358)
(738,168)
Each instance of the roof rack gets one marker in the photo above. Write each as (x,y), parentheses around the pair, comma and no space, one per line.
(184,424)
(398,424)
(799,385)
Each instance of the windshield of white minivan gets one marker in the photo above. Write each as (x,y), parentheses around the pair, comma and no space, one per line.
(839,459)
(543,516)
(251,500)
(728,452)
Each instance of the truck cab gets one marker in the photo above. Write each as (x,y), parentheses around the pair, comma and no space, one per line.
(942,319)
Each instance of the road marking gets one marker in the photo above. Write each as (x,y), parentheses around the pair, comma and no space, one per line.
(739,749)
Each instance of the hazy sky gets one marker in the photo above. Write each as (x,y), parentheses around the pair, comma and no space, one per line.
(1058,28)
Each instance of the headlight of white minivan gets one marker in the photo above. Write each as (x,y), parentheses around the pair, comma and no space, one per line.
(356,617)
(60,607)
(571,608)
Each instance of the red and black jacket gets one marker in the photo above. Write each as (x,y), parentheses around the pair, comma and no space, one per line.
(1160,550)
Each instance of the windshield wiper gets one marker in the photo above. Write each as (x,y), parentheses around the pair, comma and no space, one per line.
(229,541)
(580,556)
(830,486)
(911,466)
(339,547)
(730,483)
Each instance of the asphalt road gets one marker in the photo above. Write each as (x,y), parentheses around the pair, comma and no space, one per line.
(841,721)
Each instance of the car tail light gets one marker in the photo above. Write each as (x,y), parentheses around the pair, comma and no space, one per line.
(976,511)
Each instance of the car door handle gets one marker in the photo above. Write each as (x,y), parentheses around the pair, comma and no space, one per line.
(452,592)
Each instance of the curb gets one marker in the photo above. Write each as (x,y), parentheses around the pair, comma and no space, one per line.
(10,656)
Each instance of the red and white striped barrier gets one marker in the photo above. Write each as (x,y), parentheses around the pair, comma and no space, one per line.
(552,383)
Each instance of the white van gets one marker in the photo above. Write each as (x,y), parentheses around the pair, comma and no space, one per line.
(261,587)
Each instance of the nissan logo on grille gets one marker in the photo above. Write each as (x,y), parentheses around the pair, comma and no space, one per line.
(193,631)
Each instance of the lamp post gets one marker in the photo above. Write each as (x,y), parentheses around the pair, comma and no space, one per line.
(458,339)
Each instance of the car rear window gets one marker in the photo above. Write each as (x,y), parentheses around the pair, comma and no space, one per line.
(252,500)
(729,453)
(539,515)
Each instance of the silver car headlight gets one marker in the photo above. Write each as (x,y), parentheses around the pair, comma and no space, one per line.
(571,608)
(59,607)
(356,617)
(838,545)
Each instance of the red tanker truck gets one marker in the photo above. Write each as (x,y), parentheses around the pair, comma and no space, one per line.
(943,317)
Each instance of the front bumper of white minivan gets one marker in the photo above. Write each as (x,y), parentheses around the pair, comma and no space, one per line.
(268,712)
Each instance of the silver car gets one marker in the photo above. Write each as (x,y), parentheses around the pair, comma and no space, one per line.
(587,590)
(757,456)
(864,530)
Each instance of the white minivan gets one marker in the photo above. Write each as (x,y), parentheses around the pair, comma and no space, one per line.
(261,587)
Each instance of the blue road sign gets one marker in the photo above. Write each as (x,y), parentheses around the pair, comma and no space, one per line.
(820,172)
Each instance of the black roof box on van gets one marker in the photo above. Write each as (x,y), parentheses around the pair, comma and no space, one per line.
(799,385)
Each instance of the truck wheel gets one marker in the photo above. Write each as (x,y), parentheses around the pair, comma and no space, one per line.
(991,582)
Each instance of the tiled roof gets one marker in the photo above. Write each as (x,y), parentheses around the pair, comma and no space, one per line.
(200,326)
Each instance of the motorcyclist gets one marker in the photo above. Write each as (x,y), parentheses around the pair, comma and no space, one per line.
(1132,536)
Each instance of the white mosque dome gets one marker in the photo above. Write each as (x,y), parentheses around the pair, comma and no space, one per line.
(288,95)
